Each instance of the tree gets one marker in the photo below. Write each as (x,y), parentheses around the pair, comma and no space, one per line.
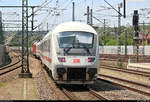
(1,30)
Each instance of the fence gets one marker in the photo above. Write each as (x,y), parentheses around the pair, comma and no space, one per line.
(131,50)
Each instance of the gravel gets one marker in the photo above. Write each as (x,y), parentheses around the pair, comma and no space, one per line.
(44,91)
(132,77)
(112,92)
(47,89)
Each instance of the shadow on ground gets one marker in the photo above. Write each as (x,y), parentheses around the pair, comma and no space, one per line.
(98,86)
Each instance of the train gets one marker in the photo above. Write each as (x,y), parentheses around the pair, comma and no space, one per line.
(71,53)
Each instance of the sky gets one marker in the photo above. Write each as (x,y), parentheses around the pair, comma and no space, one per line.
(60,12)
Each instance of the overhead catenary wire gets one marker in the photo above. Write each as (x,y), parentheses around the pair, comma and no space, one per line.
(43,21)
(46,17)
(42,6)
(66,6)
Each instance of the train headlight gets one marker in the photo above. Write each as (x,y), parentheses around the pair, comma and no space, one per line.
(92,71)
(61,71)
(91,59)
(62,59)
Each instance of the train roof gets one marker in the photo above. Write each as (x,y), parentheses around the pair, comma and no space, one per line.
(46,36)
(74,26)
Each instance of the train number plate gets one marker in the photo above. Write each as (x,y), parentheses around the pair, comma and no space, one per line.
(76,60)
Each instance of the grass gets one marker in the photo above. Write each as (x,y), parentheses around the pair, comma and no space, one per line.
(2,84)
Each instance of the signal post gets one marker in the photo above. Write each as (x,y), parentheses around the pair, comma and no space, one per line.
(136,28)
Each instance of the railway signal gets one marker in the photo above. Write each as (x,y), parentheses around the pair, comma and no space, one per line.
(136,28)
(124,4)
(135,20)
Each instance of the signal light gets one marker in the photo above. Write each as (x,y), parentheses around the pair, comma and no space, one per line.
(91,59)
(62,59)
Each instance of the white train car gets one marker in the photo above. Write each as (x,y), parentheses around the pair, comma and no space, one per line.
(71,53)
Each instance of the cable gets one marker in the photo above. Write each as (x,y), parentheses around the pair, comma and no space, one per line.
(43,5)
(67,4)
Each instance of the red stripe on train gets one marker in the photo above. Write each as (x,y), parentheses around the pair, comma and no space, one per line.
(45,57)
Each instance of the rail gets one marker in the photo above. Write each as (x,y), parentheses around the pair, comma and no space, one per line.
(146,74)
(11,67)
(69,95)
(127,81)
(100,97)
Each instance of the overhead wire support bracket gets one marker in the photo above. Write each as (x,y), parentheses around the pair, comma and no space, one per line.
(17,6)
(97,19)
(117,10)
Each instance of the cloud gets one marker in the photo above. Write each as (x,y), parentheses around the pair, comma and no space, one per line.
(135,0)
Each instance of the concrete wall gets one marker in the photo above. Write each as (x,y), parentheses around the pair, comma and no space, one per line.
(1,55)
(130,50)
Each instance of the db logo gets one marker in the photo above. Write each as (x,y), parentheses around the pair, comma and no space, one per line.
(76,60)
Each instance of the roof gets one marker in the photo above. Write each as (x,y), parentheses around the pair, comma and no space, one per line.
(146,36)
(74,26)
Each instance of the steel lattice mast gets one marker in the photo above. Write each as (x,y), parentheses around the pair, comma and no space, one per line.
(25,72)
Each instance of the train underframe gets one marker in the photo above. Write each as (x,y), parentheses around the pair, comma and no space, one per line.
(75,75)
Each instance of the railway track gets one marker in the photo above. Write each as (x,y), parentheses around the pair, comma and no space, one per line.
(146,74)
(103,77)
(12,66)
(100,97)
(71,95)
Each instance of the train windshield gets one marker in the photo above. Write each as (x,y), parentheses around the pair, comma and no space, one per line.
(75,39)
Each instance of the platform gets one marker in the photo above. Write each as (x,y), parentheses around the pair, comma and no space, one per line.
(145,67)
(19,89)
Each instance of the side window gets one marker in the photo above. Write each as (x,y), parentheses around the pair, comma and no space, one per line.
(45,46)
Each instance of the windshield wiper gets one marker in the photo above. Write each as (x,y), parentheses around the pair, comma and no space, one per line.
(87,50)
(67,51)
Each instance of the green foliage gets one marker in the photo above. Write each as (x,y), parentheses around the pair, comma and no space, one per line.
(17,39)
(111,40)
(120,64)
(111,35)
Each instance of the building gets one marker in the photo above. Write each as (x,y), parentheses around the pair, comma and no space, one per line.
(148,38)
(144,37)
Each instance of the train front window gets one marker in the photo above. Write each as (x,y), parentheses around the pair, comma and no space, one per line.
(75,40)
